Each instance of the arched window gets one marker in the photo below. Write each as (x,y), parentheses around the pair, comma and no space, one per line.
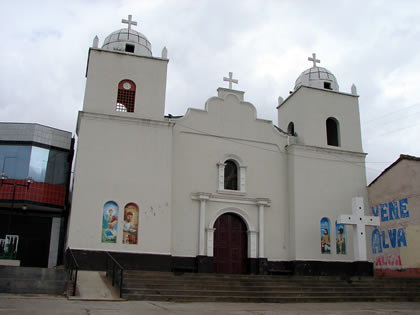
(333,132)
(126,96)
(291,129)
(231,175)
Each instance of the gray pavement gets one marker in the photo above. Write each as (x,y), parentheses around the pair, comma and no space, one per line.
(93,285)
(47,304)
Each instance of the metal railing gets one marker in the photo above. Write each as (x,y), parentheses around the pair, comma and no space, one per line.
(114,271)
(72,268)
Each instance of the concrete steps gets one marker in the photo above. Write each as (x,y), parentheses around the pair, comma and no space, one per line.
(163,286)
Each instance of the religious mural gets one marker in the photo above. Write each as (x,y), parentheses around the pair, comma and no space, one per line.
(325,236)
(110,222)
(131,223)
(340,238)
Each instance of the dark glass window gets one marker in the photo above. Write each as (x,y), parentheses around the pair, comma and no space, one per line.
(333,137)
(291,128)
(327,85)
(57,168)
(39,163)
(43,165)
(14,160)
(231,175)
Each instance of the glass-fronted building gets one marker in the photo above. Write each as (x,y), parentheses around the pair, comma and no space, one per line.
(35,167)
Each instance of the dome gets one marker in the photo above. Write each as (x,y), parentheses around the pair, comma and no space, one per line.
(128,40)
(317,77)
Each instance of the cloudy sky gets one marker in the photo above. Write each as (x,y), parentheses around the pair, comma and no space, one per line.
(374,44)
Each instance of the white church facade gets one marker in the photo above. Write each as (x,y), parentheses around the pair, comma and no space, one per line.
(218,189)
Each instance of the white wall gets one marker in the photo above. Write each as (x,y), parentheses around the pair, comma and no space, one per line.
(122,160)
(324,184)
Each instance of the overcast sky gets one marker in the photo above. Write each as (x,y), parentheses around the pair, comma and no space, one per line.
(374,44)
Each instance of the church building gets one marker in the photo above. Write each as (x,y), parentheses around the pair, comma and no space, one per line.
(218,189)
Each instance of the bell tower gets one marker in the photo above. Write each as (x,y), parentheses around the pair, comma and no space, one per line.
(326,163)
(317,113)
(123,77)
(124,150)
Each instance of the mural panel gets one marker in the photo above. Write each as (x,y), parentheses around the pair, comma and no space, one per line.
(110,222)
(340,238)
(131,223)
(325,236)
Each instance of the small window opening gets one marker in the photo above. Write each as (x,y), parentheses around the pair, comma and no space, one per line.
(231,175)
(291,128)
(126,96)
(327,85)
(333,137)
(129,48)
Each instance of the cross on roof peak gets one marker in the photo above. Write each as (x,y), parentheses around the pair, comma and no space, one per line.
(129,21)
(314,60)
(230,80)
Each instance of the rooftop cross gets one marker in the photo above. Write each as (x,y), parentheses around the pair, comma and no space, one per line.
(129,21)
(230,80)
(360,220)
(314,60)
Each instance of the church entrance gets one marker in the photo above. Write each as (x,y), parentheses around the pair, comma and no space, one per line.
(230,244)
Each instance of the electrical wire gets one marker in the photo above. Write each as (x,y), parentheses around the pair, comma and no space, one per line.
(391,113)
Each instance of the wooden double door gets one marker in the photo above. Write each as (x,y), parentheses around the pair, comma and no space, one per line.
(230,244)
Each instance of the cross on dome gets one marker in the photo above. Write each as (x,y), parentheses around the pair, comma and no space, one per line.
(230,80)
(314,60)
(129,21)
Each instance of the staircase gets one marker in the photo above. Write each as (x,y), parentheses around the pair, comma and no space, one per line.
(195,287)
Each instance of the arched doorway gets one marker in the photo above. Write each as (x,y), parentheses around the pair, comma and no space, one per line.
(230,244)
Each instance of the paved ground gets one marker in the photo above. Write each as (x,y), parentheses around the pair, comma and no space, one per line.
(93,285)
(46,305)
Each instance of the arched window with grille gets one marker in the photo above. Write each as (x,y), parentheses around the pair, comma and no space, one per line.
(333,132)
(126,96)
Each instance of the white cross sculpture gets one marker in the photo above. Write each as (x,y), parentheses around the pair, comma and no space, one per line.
(230,80)
(314,60)
(359,220)
(129,21)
